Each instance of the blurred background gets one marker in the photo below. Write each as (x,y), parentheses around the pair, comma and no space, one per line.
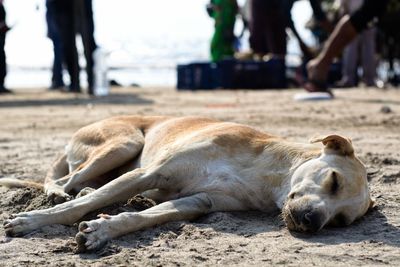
(145,39)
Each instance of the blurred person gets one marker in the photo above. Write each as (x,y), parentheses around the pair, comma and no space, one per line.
(54,34)
(76,17)
(3,65)
(224,13)
(345,31)
(287,6)
(363,45)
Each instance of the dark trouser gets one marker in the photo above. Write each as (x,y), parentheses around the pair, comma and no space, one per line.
(65,20)
(267,28)
(85,26)
(57,70)
(54,35)
(3,65)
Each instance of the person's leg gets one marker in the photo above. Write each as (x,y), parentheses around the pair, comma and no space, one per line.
(86,29)
(368,56)
(57,79)
(257,27)
(71,54)
(216,40)
(54,35)
(274,28)
(344,82)
(3,66)
(350,60)
(66,25)
(90,43)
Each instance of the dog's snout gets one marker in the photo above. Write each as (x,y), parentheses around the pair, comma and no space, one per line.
(311,220)
(307,220)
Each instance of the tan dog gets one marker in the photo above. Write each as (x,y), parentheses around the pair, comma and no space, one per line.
(194,166)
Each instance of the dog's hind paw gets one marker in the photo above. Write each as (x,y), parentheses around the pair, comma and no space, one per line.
(92,235)
(85,191)
(59,197)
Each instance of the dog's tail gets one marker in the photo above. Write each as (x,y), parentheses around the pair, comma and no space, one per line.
(17,183)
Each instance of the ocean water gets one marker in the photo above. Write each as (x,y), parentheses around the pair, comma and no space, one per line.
(145,39)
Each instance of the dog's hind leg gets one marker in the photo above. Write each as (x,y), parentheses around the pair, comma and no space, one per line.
(104,159)
(100,160)
(56,177)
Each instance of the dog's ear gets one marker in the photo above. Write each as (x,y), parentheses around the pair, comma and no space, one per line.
(335,144)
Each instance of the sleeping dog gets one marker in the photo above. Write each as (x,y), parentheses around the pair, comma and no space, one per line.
(193,166)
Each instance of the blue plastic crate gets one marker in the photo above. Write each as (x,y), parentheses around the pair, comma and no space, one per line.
(232,74)
(252,74)
(197,76)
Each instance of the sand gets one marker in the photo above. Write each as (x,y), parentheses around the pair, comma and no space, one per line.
(35,126)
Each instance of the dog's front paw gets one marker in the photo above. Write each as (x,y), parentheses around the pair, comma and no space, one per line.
(20,224)
(92,235)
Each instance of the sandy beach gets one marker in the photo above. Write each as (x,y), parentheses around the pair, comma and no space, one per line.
(35,125)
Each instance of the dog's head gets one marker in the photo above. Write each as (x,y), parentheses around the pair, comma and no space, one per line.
(330,189)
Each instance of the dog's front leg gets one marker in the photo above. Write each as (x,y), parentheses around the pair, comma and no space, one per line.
(93,234)
(120,189)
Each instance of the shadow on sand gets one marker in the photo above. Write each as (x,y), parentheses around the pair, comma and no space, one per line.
(113,99)
(372,228)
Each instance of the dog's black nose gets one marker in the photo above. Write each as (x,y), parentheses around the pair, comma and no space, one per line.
(311,220)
